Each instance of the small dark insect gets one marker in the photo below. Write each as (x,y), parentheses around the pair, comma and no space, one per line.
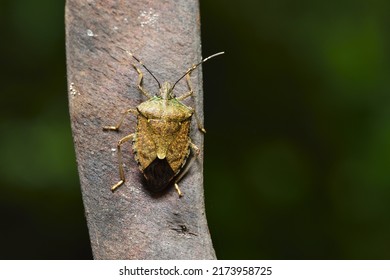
(183,229)
(161,142)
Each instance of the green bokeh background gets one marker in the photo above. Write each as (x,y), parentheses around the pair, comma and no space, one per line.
(297,151)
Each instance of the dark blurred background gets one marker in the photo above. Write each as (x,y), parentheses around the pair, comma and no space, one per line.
(297,152)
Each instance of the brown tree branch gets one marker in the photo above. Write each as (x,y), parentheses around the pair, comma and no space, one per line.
(131,223)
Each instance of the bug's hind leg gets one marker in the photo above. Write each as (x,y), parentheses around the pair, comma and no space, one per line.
(196,152)
(178,190)
(119,153)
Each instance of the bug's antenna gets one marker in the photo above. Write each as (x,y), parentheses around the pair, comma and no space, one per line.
(195,66)
(140,62)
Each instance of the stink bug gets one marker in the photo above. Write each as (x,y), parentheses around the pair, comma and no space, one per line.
(161,142)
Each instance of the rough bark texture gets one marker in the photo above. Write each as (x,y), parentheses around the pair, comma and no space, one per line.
(132,223)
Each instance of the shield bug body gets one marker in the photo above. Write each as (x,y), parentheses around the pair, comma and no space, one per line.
(161,142)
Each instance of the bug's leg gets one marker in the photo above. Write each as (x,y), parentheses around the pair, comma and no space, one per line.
(140,80)
(189,85)
(188,94)
(178,190)
(190,91)
(196,152)
(133,111)
(119,153)
(200,126)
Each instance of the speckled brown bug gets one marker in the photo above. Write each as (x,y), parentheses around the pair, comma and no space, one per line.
(161,143)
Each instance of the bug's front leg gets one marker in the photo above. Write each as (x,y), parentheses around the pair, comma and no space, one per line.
(119,153)
(140,80)
(189,85)
(188,94)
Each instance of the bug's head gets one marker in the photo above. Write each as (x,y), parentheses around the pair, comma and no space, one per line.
(166,91)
